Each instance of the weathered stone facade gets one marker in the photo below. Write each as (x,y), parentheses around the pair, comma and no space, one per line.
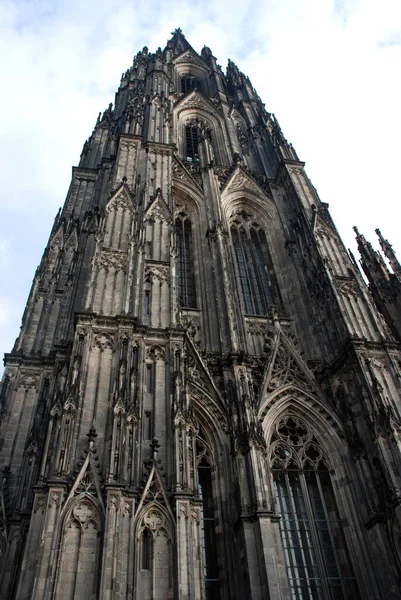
(204,399)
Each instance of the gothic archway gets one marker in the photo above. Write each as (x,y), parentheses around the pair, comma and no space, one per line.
(315,550)
(154,561)
(80,548)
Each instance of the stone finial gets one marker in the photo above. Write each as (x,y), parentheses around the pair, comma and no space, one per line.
(155,448)
(92,435)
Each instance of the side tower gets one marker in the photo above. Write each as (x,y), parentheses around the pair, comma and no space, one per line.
(204,399)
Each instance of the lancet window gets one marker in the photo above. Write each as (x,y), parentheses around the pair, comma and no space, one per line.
(250,249)
(154,566)
(185,270)
(192,143)
(208,523)
(80,552)
(309,526)
(147,547)
(189,83)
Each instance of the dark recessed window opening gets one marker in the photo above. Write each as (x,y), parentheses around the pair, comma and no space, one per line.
(185,271)
(146,304)
(147,543)
(192,143)
(208,532)
(310,528)
(149,378)
(250,249)
(189,83)
(149,250)
(147,427)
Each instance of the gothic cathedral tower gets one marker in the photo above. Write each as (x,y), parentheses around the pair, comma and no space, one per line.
(204,399)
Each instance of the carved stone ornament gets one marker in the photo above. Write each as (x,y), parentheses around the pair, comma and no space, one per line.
(192,324)
(285,370)
(222,175)
(55,499)
(157,213)
(196,101)
(128,508)
(323,230)
(294,446)
(161,273)
(195,514)
(28,380)
(83,512)
(128,145)
(113,259)
(241,180)
(104,341)
(243,139)
(179,171)
(154,519)
(258,327)
(348,287)
(190,57)
(155,353)
(40,504)
(119,202)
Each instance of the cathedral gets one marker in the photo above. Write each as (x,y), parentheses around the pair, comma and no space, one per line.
(204,399)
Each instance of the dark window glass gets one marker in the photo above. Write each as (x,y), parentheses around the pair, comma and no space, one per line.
(250,250)
(185,272)
(192,143)
(147,543)
(189,83)
(146,305)
(210,567)
(147,426)
(309,523)
(149,378)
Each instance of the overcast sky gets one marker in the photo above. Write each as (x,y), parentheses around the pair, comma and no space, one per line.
(328,69)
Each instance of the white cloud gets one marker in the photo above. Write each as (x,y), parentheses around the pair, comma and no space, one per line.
(328,69)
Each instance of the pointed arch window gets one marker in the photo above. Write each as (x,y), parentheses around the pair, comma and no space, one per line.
(310,529)
(147,546)
(185,270)
(208,523)
(189,83)
(192,143)
(80,545)
(250,249)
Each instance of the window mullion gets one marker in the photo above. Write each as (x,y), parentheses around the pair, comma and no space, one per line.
(315,529)
(243,240)
(238,255)
(259,290)
(255,281)
(305,548)
(179,251)
(315,537)
(330,534)
(261,273)
(248,266)
(292,564)
(184,265)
